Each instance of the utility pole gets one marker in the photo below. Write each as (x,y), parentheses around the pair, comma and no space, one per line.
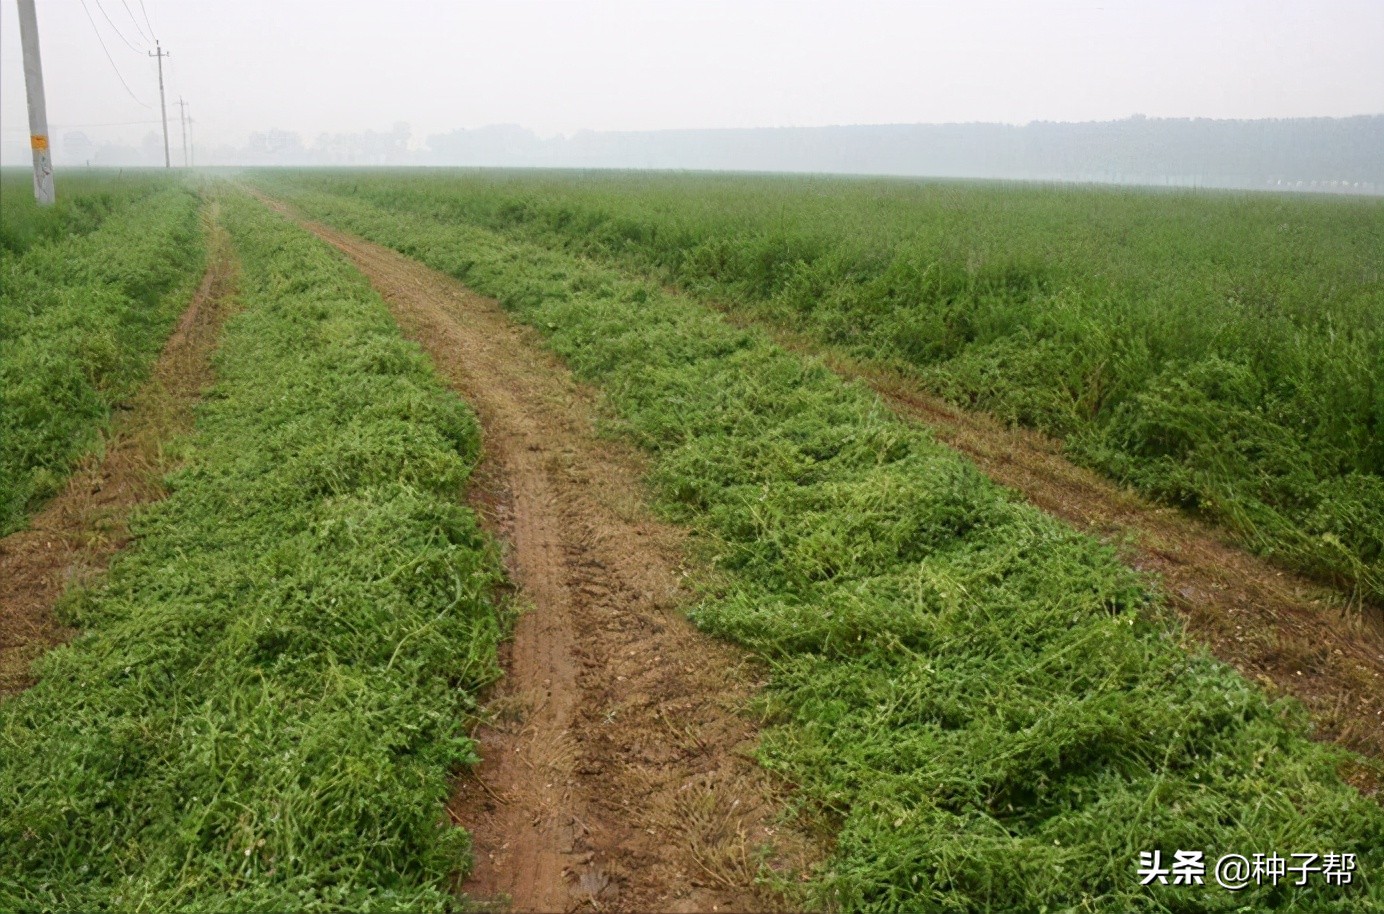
(182,120)
(160,53)
(38,111)
(192,144)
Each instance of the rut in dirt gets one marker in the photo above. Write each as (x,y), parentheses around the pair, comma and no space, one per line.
(73,538)
(617,774)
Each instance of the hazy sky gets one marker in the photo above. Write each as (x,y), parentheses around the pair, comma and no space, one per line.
(316,66)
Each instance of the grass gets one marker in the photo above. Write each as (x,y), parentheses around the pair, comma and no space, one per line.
(1220,352)
(89,291)
(85,201)
(274,684)
(986,708)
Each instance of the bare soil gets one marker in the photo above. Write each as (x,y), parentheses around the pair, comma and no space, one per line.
(72,539)
(617,772)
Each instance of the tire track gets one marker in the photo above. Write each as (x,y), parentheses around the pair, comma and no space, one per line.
(73,538)
(617,773)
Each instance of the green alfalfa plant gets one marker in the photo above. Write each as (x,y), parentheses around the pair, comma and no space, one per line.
(987,708)
(273,686)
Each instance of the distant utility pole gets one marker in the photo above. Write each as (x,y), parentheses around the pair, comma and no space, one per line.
(44,192)
(192,144)
(160,53)
(182,120)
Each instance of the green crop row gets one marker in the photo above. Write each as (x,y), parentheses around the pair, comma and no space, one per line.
(82,317)
(1224,353)
(85,200)
(273,685)
(986,708)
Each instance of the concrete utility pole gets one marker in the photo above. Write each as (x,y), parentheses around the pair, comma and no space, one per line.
(160,53)
(182,120)
(44,192)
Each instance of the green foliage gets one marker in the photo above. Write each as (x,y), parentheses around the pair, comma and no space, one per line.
(85,201)
(83,314)
(274,684)
(1109,317)
(990,710)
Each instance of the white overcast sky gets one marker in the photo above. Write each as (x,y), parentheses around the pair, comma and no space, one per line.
(317,66)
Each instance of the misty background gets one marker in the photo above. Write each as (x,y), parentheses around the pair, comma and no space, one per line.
(1219,94)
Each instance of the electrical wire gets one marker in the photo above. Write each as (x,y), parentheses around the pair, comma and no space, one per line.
(149,37)
(111,59)
(146,17)
(116,29)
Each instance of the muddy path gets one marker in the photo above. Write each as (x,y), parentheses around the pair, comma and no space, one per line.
(74,536)
(616,772)
(1290,634)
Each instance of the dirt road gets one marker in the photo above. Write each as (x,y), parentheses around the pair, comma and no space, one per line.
(616,774)
(75,535)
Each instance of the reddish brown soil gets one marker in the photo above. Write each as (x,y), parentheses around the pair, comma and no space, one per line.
(617,772)
(74,536)
(1288,633)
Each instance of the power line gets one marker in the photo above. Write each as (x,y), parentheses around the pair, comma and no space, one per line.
(111,59)
(136,22)
(146,17)
(115,29)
